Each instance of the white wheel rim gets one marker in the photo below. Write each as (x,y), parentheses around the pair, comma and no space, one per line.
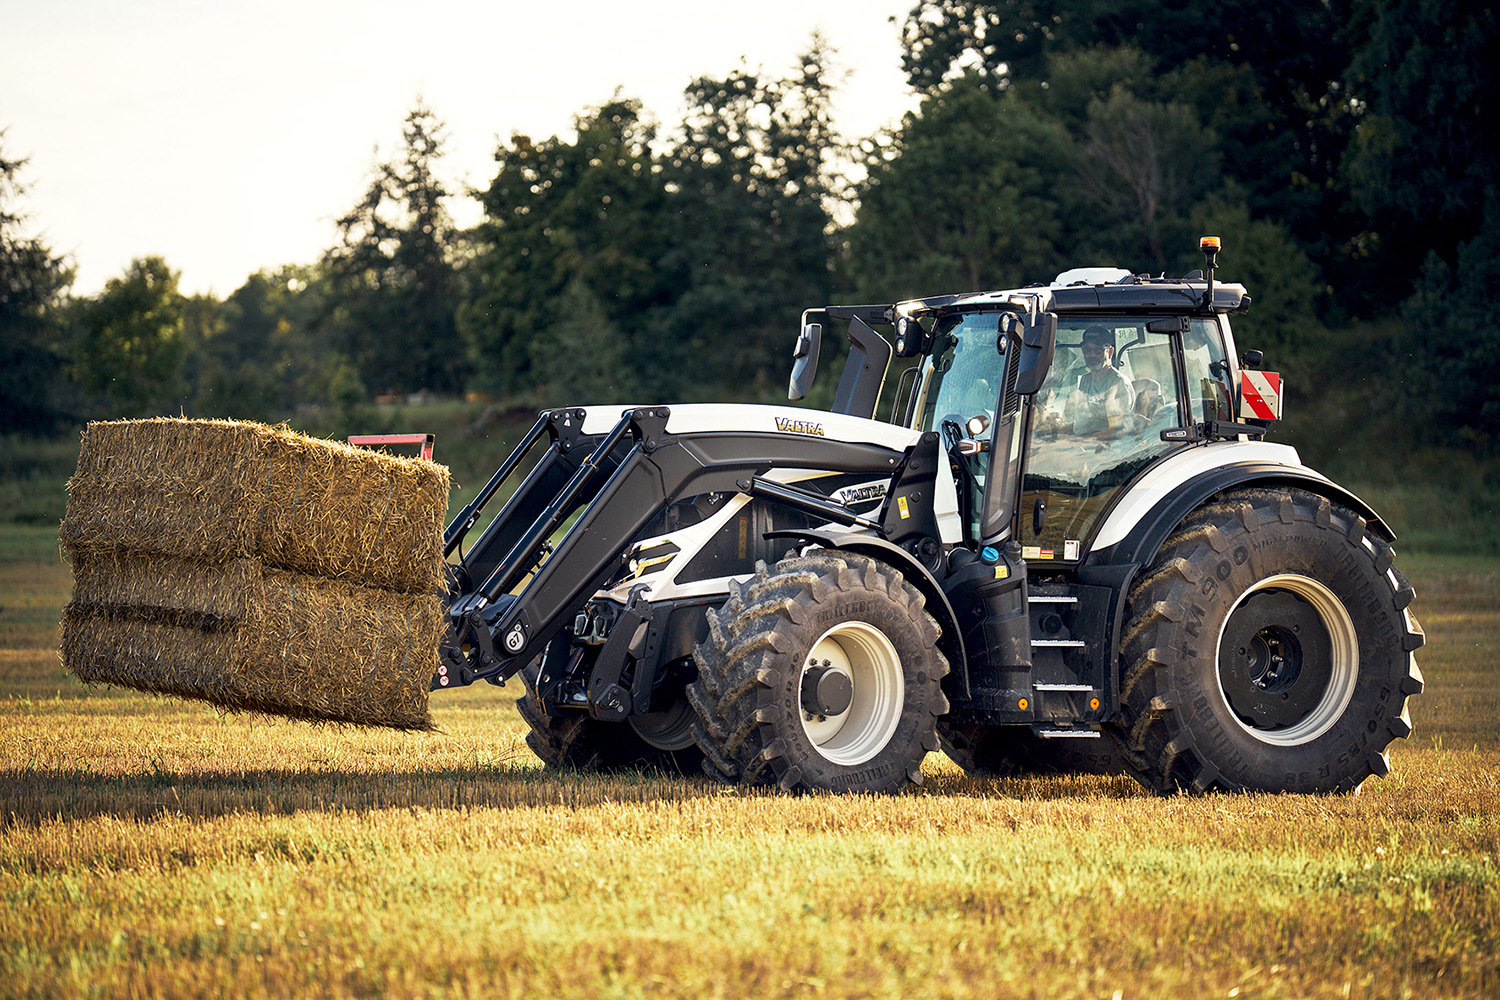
(1343,655)
(863,729)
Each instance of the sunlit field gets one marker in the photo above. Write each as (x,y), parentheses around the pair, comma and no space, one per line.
(158,848)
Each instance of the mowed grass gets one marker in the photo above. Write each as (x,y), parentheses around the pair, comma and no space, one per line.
(154,847)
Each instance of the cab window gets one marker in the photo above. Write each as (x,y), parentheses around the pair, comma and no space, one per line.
(1097,420)
(963,381)
(1207,373)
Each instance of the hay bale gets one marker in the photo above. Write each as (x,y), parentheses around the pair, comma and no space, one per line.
(166,589)
(220,490)
(277,642)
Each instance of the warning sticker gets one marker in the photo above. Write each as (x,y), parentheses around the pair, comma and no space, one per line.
(1260,395)
(901,505)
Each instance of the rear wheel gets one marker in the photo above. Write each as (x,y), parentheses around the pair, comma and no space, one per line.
(1269,648)
(571,739)
(822,673)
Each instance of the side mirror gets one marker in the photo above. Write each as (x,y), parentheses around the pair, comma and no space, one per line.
(1038,335)
(805,360)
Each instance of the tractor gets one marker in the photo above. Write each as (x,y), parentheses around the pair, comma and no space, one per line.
(1038,527)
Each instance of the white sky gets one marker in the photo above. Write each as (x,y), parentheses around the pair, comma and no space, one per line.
(227,136)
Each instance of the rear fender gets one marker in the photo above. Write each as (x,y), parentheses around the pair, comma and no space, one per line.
(1158,502)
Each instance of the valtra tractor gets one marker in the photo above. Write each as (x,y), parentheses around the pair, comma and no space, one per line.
(1060,526)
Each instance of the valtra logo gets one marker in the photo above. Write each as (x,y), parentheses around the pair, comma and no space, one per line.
(788,426)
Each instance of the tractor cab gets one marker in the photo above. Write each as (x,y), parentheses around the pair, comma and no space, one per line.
(1050,400)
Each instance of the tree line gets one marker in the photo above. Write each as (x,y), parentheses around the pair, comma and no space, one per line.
(1346,151)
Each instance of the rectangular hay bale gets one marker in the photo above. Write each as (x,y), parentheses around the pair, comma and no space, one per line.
(219,490)
(166,589)
(302,647)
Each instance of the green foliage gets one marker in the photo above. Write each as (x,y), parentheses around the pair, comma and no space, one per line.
(749,188)
(1451,345)
(1427,147)
(960,197)
(686,268)
(587,210)
(1283,283)
(32,283)
(392,286)
(129,345)
(582,355)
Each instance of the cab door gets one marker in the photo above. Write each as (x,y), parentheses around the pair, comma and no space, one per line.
(1094,426)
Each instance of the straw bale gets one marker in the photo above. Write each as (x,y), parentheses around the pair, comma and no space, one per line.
(305,648)
(177,487)
(166,589)
(219,490)
(354,514)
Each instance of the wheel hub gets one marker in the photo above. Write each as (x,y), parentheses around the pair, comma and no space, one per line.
(826,690)
(1287,660)
(851,693)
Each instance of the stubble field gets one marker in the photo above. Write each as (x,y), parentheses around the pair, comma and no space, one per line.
(157,848)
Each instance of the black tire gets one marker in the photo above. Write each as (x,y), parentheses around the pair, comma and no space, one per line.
(1004,751)
(1269,647)
(576,741)
(863,620)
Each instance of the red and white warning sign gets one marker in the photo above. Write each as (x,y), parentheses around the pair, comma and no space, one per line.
(1260,395)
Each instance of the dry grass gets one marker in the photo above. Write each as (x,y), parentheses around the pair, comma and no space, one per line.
(152,847)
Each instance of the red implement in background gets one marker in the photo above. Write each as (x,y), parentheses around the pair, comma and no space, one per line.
(369,440)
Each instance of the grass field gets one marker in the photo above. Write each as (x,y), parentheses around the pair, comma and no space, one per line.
(156,848)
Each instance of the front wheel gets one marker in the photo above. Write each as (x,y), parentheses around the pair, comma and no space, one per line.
(571,739)
(1269,647)
(822,673)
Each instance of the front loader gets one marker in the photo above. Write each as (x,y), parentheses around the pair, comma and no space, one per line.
(1066,540)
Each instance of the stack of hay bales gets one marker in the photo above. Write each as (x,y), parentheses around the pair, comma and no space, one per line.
(256,568)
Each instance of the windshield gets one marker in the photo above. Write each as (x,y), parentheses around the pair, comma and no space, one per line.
(966,371)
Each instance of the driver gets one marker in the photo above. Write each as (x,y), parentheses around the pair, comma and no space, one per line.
(1101,403)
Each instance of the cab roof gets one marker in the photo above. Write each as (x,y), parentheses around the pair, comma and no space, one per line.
(1082,290)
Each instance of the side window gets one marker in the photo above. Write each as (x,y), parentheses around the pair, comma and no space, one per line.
(1098,420)
(1207,375)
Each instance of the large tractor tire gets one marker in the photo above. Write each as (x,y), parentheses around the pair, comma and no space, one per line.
(822,673)
(1269,647)
(1006,751)
(576,741)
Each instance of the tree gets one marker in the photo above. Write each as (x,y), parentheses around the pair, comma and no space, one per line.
(1282,280)
(586,212)
(1266,76)
(750,185)
(1143,165)
(393,284)
(129,345)
(961,197)
(266,350)
(1427,145)
(33,281)
(1451,347)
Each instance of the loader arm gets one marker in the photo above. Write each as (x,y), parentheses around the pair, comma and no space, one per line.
(672,454)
